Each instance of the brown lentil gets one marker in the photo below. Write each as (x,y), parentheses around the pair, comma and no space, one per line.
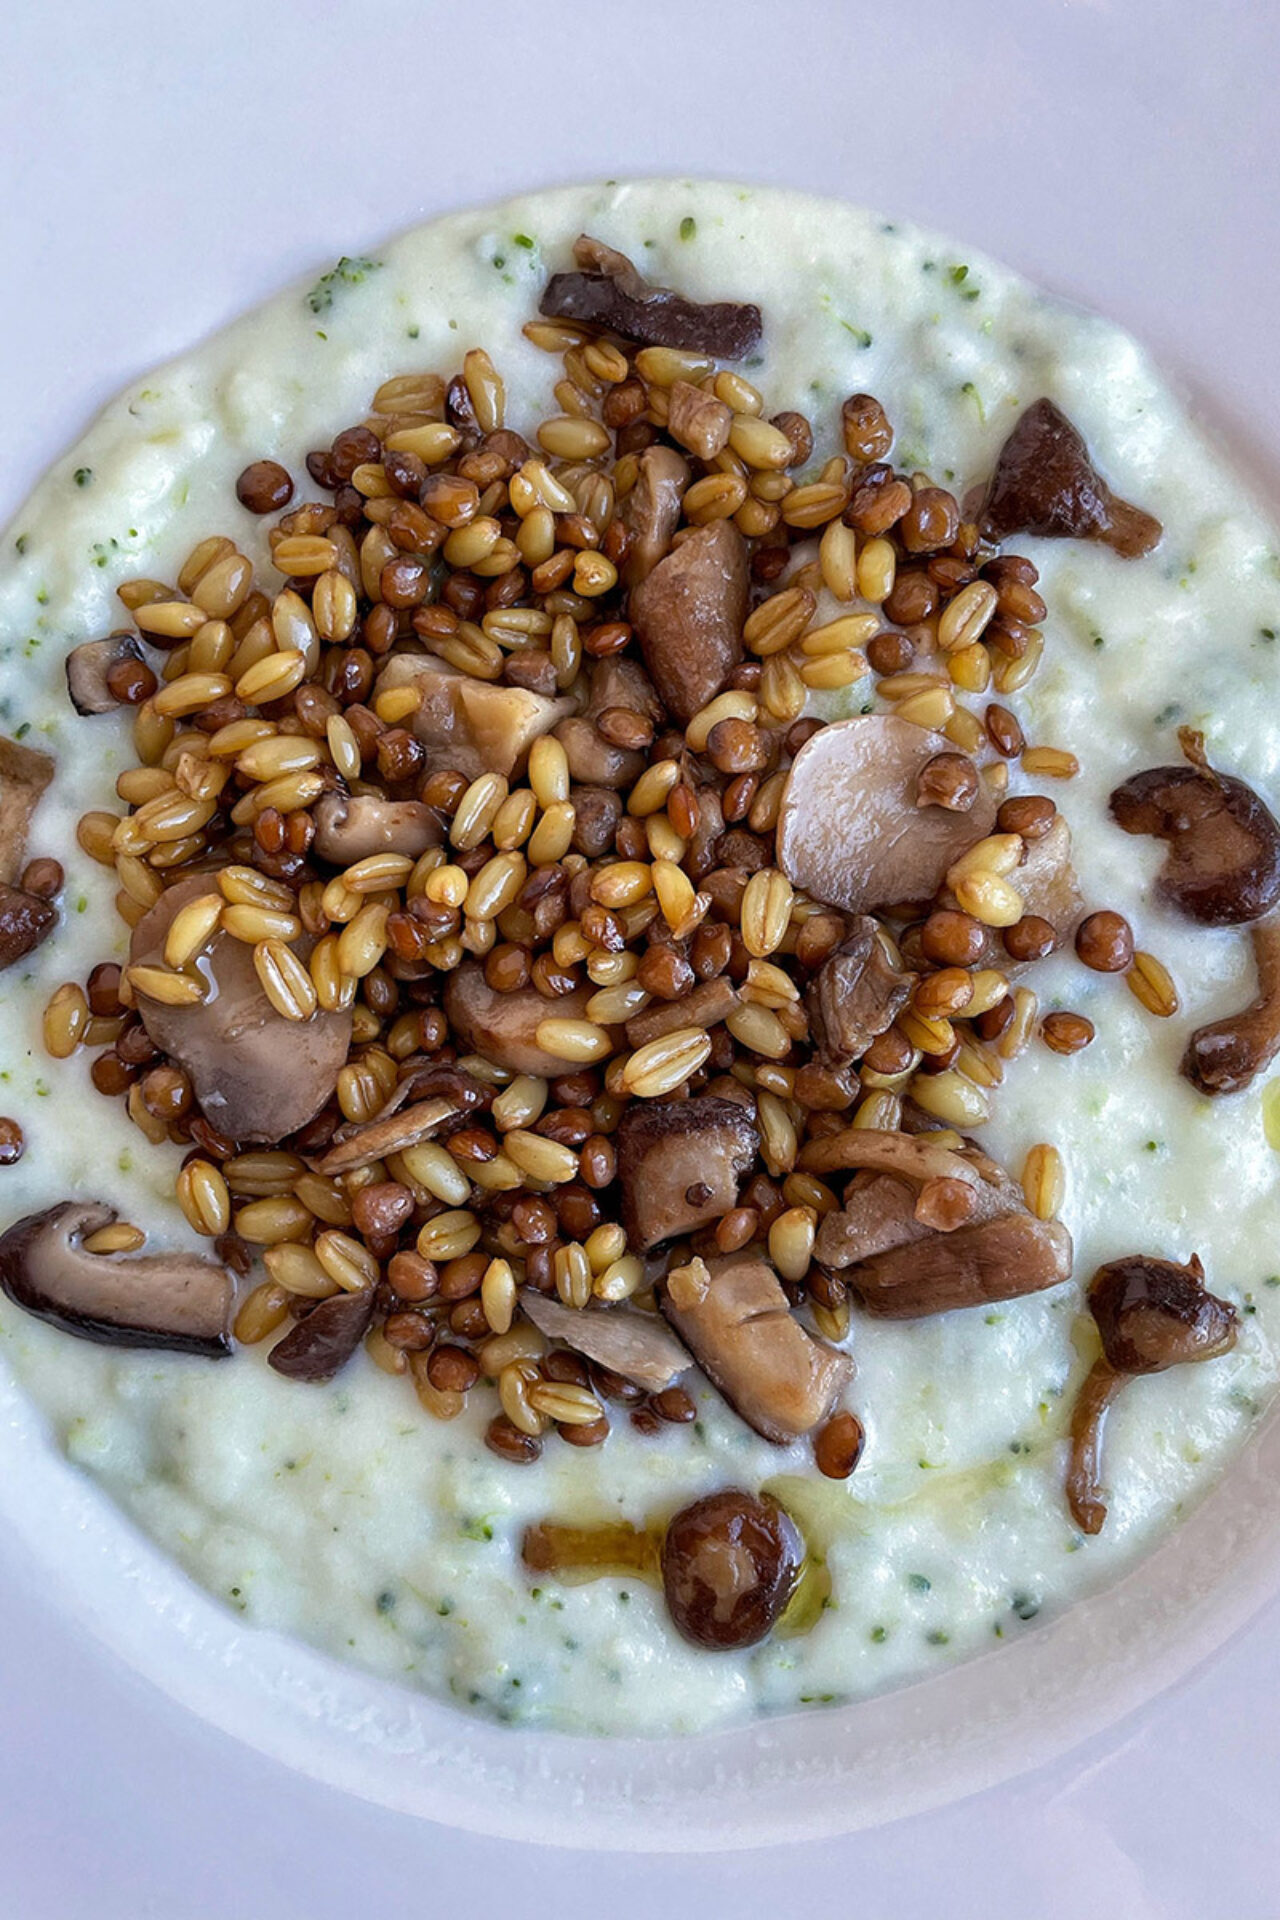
(264,487)
(1066,1032)
(1104,941)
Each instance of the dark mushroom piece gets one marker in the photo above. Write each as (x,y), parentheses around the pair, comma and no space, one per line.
(176,1301)
(360,1146)
(504,1026)
(632,1344)
(1223,864)
(688,615)
(705,1005)
(1226,1055)
(679,1164)
(88,665)
(730,1564)
(349,827)
(850,832)
(734,1316)
(473,726)
(26,919)
(856,994)
(319,1346)
(651,511)
(1046,484)
(608,292)
(595,761)
(1151,1314)
(256,1075)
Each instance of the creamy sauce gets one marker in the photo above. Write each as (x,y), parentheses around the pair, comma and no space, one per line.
(343,1513)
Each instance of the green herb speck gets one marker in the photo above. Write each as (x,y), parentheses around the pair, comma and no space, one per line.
(350,271)
(499,260)
(385,1601)
(879,1634)
(957,275)
(524,240)
(20,544)
(1024,1606)
(413,332)
(938,1638)
(919,1582)
(688,227)
(83,475)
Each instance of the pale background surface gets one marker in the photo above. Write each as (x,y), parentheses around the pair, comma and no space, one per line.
(164,167)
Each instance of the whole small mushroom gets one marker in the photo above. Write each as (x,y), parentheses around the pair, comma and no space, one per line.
(1045,483)
(730,1564)
(1223,863)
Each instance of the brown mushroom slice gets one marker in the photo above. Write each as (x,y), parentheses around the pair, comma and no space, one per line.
(1048,888)
(730,1564)
(607,291)
(472,726)
(389,1133)
(321,1344)
(1151,1314)
(171,1300)
(688,616)
(1223,863)
(25,772)
(503,1027)
(256,1075)
(349,827)
(597,811)
(878,1214)
(998,1259)
(651,511)
(632,1344)
(856,994)
(1226,1055)
(595,761)
(1046,484)
(620,682)
(750,1345)
(850,832)
(26,920)
(679,1164)
(88,665)
(705,1005)
(908,1156)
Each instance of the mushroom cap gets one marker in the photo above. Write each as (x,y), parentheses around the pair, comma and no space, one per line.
(1223,864)
(850,832)
(172,1300)
(322,1343)
(1154,1314)
(351,826)
(688,615)
(26,919)
(679,1164)
(1046,484)
(474,726)
(88,665)
(256,1075)
(730,1563)
(503,1027)
(25,772)
(651,511)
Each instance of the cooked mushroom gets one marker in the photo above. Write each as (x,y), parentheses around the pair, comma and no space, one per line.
(703,851)
(697,420)
(850,832)
(990,1260)
(597,811)
(679,1164)
(735,1319)
(620,682)
(878,1213)
(705,1005)
(88,665)
(1151,1314)
(317,1347)
(256,1075)
(651,511)
(608,292)
(473,726)
(349,827)
(1223,864)
(632,1344)
(24,775)
(173,1300)
(688,616)
(1226,1055)
(1046,484)
(26,919)
(389,1133)
(504,1026)
(1047,886)
(595,761)
(730,1564)
(856,994)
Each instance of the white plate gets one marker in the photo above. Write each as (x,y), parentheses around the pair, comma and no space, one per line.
(1103,151)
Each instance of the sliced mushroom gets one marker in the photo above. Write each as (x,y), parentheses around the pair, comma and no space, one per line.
(698,420)
(1151,1314)
(349,827)
(620,682)
(1046,484)
(24,775)
(856,994)
(878,1214)
(651,511)
(750,1345)
(1223,864)
(1226,1055)
(26,919)
(389,1133)
(504,1026)
(317,1347)
(472,726)
(705,1005)
(999,1259)
(172,1300)
(679,1164)
(88,665)
(608,292)
(256,1075)
(850,832)
(596,813)
(632,1344)
(730,1564)
(595,761)
(688,616)
(1047,886)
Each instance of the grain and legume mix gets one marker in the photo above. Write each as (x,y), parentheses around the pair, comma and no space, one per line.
(584,894)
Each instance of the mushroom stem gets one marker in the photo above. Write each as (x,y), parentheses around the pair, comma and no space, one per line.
(1088,1420)
(1226,1055)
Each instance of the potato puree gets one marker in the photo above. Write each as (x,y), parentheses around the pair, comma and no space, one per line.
(343,1513)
